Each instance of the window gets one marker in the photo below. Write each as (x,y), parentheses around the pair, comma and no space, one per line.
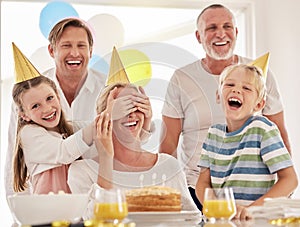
(164,34)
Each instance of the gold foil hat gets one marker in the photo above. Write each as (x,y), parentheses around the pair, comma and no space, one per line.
(24,69)
(262,63)
(117,71)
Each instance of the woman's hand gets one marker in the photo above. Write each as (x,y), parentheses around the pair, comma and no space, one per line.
(103,138)
(104,145)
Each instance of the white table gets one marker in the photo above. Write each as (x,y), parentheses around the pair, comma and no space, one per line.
(250,223)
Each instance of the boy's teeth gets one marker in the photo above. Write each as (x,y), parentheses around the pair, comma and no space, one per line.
(234,100)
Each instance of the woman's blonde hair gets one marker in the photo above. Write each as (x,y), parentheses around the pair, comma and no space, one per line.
(259,79)
(20,169)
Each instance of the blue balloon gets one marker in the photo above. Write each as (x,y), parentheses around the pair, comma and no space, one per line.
(52,13)
(99,64)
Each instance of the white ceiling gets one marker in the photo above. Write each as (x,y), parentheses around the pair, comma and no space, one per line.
(233,4)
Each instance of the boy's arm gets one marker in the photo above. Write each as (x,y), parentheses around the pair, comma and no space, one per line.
(202,183)
(286,184)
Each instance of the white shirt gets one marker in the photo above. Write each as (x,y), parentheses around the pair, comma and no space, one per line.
(166,171)
(44,150)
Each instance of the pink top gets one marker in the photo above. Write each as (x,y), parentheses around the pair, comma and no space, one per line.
(52,180)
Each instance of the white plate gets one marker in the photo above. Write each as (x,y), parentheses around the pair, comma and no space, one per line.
(192,216)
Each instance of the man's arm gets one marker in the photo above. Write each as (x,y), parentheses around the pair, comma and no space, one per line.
(169,137)
(278,119)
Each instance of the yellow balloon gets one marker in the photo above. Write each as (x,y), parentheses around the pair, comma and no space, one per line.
(137,66)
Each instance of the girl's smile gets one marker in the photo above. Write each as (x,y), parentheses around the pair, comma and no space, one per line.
(41,105)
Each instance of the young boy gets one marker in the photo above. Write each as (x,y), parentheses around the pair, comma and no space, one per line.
(247,153)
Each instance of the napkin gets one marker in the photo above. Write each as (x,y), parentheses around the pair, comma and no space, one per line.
(281,207)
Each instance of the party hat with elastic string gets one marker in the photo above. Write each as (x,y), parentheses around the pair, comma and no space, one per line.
(262,63)
(117,73)
(24,69)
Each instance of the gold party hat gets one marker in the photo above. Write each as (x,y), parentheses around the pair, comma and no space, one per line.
(117,71)
(262,63)
(24,69)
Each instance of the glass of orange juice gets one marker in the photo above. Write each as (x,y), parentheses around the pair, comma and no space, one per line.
(219,204)
(220,224)
(110,206)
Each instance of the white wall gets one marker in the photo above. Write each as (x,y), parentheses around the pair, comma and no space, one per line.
(278,32)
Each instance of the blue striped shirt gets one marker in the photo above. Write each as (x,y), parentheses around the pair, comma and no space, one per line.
(247,159)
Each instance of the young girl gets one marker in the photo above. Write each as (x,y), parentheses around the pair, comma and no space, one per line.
(45,143)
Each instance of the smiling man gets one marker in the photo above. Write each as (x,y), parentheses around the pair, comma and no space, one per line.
(190,107)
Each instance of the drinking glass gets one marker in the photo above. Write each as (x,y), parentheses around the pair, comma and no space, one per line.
(219,204)
(110,206)
(220,224)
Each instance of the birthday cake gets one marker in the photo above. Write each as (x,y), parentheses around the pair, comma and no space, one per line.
(153,198)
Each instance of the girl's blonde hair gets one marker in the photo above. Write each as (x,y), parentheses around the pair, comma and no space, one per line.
(259,79)
(19,167)
(102,98)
